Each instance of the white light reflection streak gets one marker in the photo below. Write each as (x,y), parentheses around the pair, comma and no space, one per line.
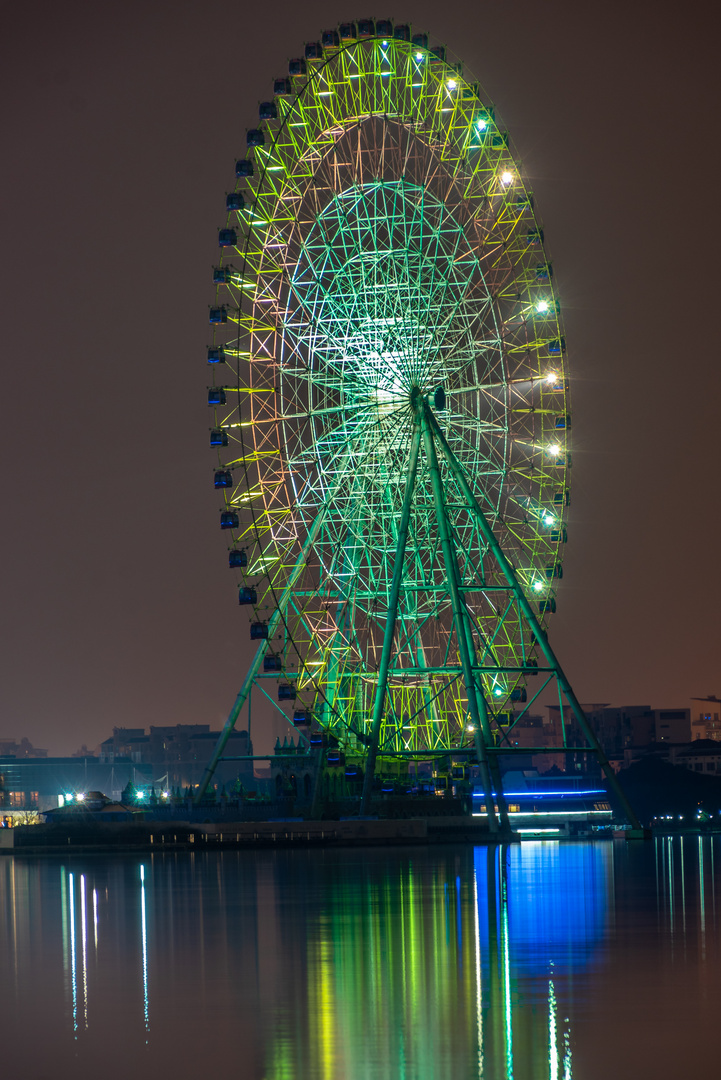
(84,931)
(506,962)
(144,932)
(683,888)
(701,890)
(479,986)
(552,1033)
(71,892)
(95,917)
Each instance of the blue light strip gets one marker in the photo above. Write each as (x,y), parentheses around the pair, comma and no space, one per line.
(542,794)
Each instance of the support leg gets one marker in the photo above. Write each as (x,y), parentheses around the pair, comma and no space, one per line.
(380,698)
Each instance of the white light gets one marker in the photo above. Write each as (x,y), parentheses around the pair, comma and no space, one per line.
(481,125)
(166,794)
(552,377)
(452,84)
(470,728)
(538,585)
(548,521)
(385,44)
(554,450)
(498,692)
(507,178)
(542,305)
(68,797)
(419,56)
(80,797)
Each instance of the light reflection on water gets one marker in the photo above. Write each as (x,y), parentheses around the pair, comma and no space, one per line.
(544,961)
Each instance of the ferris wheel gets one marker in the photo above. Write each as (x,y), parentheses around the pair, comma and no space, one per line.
(391,411)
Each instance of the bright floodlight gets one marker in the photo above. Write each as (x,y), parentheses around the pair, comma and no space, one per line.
(419,56)
(498,692)
(68,797)
(548,521)
(452,84)
(80,797)
(507,178)
(470,727)
(538,586)
(553,450)
(481,125)
(552,377)
(542,305)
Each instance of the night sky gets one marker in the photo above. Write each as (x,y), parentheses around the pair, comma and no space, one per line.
(121,126)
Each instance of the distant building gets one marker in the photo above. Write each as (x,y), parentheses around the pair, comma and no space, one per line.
(672,725)
(22,749)
(701,755)
(706,718)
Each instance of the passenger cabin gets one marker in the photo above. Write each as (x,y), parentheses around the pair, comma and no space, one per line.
(247,595)
(258,631)
(287,692)
(234,201)
(255,137)
(216,355)
(267,111)
(218,437)
(243,166)
(229,519)
(227,238)
(271,662)
(222,478)
(237,557)
(216,395)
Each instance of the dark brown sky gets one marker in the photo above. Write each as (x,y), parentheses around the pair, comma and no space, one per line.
(120,127)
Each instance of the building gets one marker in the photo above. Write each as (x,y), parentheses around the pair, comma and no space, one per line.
(706,718)
(701,755)
(179,753)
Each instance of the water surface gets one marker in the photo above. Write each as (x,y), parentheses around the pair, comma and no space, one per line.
(540,960)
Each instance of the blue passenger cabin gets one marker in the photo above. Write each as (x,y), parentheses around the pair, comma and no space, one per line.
(267,111)
(243,167)
(347,31)
(366,28)
(519,694)
(247,595)
(547,607)
(561,498)
(554,570)
(258,631)
(218,315)
(302,718)
(271,662)
(534,237)
(287,692)
(559,536)
(282,86)
(216,395)
(227,238)
(222,275)
(216,355)
(562,422)
(330,39)
(237,557)
(544,272)
(353,774)
(297,66)
(316,738)
(314,51)
(218,437)
(222,478)
(524,202)
(234,201)
(557,347)
(255,137)
(229,520)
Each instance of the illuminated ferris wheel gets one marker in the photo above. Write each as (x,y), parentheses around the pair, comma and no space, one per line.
(390,401)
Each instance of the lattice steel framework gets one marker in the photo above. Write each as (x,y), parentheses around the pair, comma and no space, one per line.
(391,389)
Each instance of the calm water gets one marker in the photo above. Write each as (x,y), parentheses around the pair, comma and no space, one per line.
(581,961)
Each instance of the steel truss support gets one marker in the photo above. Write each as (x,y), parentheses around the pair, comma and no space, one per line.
(524,605)
(275,618)
(483,737)
(380,698)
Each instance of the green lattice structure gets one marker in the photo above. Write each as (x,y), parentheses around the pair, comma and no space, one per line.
(392,392)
